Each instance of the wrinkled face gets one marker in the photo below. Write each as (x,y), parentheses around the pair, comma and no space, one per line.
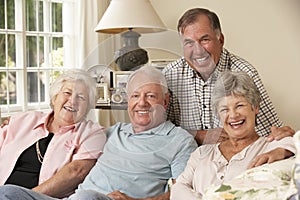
(70,105)
(202,46)
(146,106)
(237,116)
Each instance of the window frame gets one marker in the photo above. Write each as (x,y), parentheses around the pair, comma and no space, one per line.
(21,68)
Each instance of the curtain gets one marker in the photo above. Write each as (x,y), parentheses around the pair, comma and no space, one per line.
(95,48)
(89,14)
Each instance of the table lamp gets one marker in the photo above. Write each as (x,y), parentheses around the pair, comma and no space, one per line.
(130,17)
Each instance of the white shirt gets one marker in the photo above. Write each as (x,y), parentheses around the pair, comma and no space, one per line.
(208,166)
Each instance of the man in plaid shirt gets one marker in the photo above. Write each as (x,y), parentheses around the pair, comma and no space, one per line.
(191,80)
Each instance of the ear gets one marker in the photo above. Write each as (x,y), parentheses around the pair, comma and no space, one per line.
(256,110)
(221,39)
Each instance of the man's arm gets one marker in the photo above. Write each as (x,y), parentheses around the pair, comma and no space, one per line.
(117,195)
(216,135)
(210,136)
(66,180)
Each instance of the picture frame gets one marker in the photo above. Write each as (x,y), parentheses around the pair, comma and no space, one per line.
(102,93)
(120,78)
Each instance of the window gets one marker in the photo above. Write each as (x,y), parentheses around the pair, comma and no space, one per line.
(34,36)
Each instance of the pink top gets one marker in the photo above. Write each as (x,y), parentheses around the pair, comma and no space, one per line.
(84,140)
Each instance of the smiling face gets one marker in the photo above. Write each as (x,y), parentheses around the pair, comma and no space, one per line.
(146,106)
(237,116)
(202,46)
(70,105)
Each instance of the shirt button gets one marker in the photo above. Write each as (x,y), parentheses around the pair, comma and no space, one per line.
(222,177)
(206,127)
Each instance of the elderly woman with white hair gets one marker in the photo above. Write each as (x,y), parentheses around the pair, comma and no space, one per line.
(236,102)
(52,153)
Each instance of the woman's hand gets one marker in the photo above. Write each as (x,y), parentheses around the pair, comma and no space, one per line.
(269,157)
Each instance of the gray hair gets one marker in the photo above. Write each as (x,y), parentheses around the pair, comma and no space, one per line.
(191,16)
(235,83)
(75,75)
(149,74)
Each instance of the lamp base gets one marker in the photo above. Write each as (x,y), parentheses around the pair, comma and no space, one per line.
(131,55)
(132,59)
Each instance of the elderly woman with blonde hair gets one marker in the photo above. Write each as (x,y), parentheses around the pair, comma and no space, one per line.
(52,153)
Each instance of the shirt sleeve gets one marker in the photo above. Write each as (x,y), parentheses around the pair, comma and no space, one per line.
(91,143)
(285,143)
(183,188)
(173,110)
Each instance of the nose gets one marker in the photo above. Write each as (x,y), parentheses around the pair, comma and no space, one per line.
(232,113)
(142,101)
(198,48)
(72,99)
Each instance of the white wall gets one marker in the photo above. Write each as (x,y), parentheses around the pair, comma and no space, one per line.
(266,33)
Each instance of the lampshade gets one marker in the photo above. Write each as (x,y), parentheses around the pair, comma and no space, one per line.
(122,15)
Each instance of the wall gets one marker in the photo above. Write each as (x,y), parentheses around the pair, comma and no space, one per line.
(266,33)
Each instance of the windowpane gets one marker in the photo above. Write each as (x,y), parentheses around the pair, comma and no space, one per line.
(41,17)
(10,14)
(31,15)
(31,51)
(43,80)
(2,51)
(8,86)
(2,14)
(12,87)
(54,75)
(57,17)
(35,87)
(57,52)
(41,52)
(11,50)
(3,88)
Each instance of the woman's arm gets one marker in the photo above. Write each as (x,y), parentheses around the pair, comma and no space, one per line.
(66,180)
(183,188)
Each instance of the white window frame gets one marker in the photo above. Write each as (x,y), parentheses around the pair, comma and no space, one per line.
(69,8)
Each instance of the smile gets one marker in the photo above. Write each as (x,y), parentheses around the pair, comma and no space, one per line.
(200,60)
(237,123)
(143,111)
(69,109)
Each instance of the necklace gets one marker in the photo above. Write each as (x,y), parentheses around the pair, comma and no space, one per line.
(38,152)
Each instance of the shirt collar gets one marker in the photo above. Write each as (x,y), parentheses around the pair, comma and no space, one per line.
(43,122)
(162,129)
(239,156)
(187,69)
(221,66)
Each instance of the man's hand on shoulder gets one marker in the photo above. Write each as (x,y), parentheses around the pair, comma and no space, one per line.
(211,136)
(277,133)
